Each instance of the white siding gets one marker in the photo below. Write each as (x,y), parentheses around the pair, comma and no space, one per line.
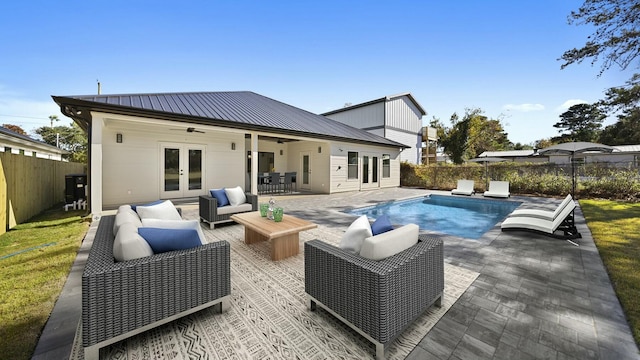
(370,116)
(412,154)
(339,167)
(401,113)
(131,169)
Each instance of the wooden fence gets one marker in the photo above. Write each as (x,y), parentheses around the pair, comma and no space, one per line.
(30,185)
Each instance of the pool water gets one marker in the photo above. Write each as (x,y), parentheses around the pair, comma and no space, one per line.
(463,217)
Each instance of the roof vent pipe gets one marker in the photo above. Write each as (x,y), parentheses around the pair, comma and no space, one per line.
(99,90)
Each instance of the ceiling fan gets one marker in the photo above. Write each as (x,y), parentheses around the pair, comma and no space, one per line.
(191,130)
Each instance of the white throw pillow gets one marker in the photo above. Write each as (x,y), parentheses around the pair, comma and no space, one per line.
(235,195)
(352,239)
(390,243)
(123,216)
(129,245)
(165,211)
(176,224)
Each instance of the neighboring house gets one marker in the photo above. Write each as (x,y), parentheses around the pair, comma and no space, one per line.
(144,147)
(516,155)
(11,141)
(395,117)
(624,155)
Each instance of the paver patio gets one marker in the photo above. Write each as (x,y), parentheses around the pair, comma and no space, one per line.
(536,297)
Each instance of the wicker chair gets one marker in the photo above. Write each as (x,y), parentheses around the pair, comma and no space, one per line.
(122,299)
(378,299)
(208,208)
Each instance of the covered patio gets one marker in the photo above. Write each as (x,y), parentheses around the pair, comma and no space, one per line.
(535,297)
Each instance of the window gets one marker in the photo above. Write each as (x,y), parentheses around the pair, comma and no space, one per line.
(386,165)
(365,169)
(352,158)
(375,169)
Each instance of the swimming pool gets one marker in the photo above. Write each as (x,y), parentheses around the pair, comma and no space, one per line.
(464,217)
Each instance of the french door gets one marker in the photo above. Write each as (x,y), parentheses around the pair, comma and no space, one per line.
(305,164)
(370,172)
(181,170)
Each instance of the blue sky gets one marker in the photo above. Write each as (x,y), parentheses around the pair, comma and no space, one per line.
(499,56)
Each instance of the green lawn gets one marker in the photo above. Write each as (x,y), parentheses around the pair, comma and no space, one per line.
(616,231)
(35,259)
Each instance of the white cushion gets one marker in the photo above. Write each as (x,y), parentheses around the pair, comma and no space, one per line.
(124,207)
(176,224)
(235,195)
(165,211)
(352,239)
(234,209)
(390,243)
(123,216)
(129,245)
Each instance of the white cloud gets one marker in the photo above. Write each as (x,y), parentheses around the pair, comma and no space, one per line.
(523,107)
(569,103)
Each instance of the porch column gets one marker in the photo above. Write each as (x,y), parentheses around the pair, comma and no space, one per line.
(95,175)
(254,163)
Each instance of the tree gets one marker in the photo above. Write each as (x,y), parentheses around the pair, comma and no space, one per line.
(471,136)
(70,138)
(15,128)
(616,41)
(616,37)
(623,132)
(53,118)
(581,121)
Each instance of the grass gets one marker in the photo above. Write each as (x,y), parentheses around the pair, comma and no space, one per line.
(615,227)
(35,258)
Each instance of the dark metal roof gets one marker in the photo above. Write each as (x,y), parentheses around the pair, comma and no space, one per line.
(5,131)
(382,99)
(236,109)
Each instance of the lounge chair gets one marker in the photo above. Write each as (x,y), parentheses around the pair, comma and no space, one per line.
(542,214)
(465,187)
(498,189)
(564,222)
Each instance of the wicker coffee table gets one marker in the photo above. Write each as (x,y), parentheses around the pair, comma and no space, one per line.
(284,235)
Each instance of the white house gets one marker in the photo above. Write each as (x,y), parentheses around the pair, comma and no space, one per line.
(11,141)
(395,117)
(177,145)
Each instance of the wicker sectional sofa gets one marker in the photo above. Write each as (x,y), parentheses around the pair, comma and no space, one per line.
(211,214)
(121,299)
(378,299)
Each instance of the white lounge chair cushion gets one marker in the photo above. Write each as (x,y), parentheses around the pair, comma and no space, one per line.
(165,211)
(129,245)
(532,223)
(235,195)
(498,189)
(125,215)
(542,214)
(353,238)
(176,224)
(465,187)
(390,243)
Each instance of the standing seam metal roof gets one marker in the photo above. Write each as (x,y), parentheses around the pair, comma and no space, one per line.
(239,107)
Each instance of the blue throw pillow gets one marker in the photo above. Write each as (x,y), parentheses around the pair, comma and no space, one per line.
(381,225)
(220,196)
(163,240)
(133,207)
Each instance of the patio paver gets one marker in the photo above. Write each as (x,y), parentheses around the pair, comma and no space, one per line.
(536,297)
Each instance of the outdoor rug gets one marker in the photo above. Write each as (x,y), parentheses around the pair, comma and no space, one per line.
(268,317)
